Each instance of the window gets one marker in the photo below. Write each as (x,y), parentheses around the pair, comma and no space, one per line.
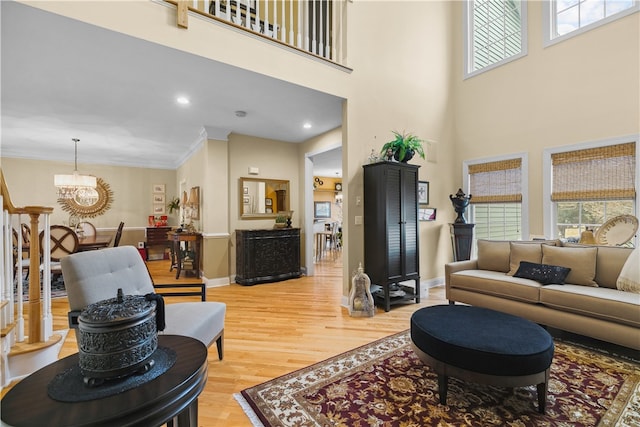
(566,18)
(494,33)
(496,199)
(591,185)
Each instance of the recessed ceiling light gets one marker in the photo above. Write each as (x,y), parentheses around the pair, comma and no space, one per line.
(182,100)
(307,125)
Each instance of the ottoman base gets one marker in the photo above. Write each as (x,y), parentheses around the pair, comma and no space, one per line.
(444,371)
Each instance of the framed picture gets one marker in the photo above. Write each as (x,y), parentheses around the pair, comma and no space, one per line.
(158,209)
(322,209)
(268,202)
(268,210)
(423,192)
(246,200)
(159,188)
(426,214)
(158,198)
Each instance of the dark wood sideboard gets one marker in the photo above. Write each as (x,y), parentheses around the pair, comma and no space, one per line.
(264,256)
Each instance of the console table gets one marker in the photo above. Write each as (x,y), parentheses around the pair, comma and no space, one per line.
(172,394)
(270,255)
(187,259)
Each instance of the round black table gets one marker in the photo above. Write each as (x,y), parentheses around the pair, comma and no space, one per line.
(484,346)
(173,394)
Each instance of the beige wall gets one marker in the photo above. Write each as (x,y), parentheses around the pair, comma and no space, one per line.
(30,182)
(275,160)
(583,89)
(401,81)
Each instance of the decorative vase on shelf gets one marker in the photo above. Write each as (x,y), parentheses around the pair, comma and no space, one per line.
(360,299)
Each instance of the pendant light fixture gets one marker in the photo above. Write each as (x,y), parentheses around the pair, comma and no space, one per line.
(71,185)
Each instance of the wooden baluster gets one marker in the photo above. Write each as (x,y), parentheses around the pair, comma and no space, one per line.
(275,19)
(313,28)
(320,34)
(256,25)
(283,30)
(328,18)
(291,38)
(300,24)
(266,17)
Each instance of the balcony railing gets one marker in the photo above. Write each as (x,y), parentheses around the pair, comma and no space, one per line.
(25,341)
(316,27)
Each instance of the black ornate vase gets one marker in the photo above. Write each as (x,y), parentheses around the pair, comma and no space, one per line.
(117,338)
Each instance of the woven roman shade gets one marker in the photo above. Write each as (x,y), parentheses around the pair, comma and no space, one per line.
(602,173)
(496,182)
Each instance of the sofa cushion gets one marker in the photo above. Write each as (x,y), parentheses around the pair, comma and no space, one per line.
(497,284)
(609,262)
(581,261)
(493,255)
(604,303)
(523,252)
(629,279)
(542,273)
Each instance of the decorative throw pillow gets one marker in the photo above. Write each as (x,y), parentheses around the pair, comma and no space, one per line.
(530,252)
(543,273)
(493,255)
(581,261)
(629,278)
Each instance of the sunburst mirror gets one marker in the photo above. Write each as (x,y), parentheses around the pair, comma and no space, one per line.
(92,206)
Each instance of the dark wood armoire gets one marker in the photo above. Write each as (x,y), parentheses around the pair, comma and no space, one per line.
(391,249)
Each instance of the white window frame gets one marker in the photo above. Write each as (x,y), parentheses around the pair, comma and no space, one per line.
(548,22)
(549,213)
(524,170)
(468,43)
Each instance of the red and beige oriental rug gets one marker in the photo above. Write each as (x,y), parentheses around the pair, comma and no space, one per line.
(385,384)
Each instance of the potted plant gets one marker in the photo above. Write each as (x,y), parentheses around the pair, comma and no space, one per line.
(403,147)
(174,204)
(281,221)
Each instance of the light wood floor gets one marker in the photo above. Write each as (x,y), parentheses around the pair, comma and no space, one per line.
(273,329)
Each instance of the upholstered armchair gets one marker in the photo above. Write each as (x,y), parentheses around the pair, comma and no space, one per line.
(94,276)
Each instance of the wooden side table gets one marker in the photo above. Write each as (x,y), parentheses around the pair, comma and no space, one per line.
(191,252)
(172,394)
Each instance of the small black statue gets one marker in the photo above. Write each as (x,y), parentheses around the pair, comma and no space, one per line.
(460,203)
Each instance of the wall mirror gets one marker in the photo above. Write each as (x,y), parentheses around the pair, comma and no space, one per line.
(89,205)
(263,198)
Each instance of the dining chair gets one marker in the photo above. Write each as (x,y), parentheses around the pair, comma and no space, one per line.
(64,242)
(26,234)
(116,240)
(86,229)
(97,275)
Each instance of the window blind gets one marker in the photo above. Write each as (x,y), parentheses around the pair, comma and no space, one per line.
(496,182)
(601,173)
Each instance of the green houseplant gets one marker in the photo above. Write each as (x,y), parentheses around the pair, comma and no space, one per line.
(174,205)
(403,147)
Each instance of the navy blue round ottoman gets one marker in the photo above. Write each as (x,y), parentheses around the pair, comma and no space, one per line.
(483,346)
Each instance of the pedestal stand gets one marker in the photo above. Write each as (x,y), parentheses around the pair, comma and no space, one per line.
(462,238)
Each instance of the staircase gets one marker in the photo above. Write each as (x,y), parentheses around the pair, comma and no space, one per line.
(27,342)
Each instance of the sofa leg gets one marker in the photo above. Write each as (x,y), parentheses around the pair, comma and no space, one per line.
(452,302)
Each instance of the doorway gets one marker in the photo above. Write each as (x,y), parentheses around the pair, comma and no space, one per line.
(320,166)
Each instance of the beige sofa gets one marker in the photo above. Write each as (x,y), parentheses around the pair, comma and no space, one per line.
(588,303)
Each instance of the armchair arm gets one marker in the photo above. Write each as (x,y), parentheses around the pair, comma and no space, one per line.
(196,289)
(73,318)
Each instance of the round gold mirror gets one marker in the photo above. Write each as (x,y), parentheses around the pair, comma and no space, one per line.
(90,203)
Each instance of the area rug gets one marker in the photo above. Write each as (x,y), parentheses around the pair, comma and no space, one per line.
(57,289)
(385,384)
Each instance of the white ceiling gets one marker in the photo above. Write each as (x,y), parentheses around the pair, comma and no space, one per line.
(64,79)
